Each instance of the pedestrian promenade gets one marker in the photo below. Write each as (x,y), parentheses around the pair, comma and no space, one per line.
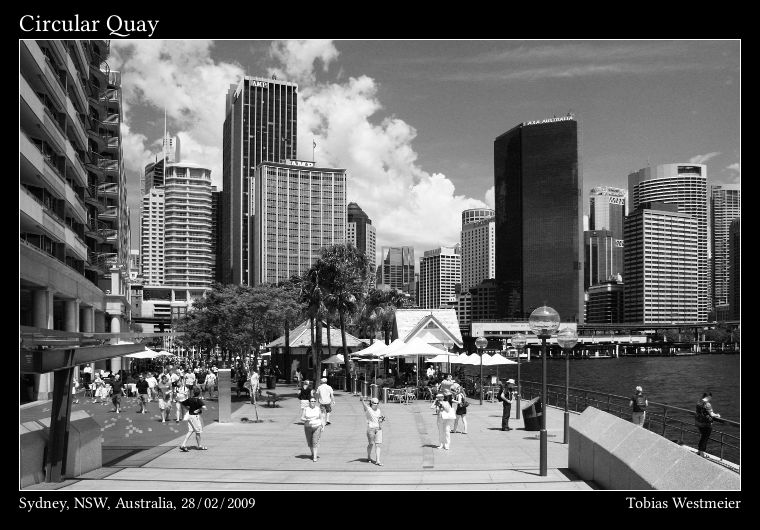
(273,455)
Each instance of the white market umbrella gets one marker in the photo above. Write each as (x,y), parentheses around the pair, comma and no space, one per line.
(437,359)
(496,360)
(335,359)
(147,354)
(164,352)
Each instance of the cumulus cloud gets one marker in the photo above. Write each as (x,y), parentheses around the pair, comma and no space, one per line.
(490,200)
(736,166)
(297,57)
(702,159)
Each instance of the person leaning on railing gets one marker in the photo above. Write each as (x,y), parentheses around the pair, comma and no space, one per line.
(703,420)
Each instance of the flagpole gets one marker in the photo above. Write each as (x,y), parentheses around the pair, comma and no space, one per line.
(313,147)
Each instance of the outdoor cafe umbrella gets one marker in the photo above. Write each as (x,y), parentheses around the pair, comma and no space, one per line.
(416,347)
(496,360)
(336,358)
(147,354)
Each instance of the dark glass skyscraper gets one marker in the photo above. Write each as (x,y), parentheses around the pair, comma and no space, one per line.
(260,126)
(538,194)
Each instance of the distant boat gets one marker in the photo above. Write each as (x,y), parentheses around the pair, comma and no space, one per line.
(685,352)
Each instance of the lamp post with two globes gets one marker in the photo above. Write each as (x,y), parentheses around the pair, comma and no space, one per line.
(567,339)
(543,321)
(480,344)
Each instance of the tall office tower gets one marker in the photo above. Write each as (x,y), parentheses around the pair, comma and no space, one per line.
(605,302)
(259,126)
(478,250)
(154,172)
(686,186)
(300,209)
(603,256)
(216,229)
(661,265)
(134,265)
(734,269)
(152,237)
(484,301)
(607,209)
(361,234)
(396,270)
(539,219)
(725,206)
(440,270)
(474,215)
(74,239)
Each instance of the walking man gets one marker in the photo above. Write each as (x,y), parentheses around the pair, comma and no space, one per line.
(506,395)
(638,404)
(142,392)
(116,391)
(194,406)
(326,400)
(704,419)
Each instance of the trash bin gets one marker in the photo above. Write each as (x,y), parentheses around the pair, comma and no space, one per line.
(270,381)
(531,414)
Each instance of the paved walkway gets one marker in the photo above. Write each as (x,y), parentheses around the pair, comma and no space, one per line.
(272,454)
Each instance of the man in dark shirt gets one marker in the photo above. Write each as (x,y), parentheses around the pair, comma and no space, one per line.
(194,407)
(142,392)
(116,391)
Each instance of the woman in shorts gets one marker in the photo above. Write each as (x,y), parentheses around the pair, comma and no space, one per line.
(375,419)
(312,426)
(164,389)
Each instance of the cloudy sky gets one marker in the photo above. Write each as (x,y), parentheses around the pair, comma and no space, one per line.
(414,121)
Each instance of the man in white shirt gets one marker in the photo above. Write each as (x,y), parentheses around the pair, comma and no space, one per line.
(152,390)
(326,400)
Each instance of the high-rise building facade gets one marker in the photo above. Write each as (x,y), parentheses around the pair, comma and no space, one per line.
(152,221)
(216,230)
(154,171)
(300,209)
(661,265)
(484,301)
(396,269)
(603,257)
(74,232)
(734,269)
(259,126)
(361,233)
(605,303)
(725,206)
(440,271)
(475,215)
(539,221)
(478,251)
(686,186)
(607,209)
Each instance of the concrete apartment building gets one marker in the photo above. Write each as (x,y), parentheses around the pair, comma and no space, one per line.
(440,271)
(478,239)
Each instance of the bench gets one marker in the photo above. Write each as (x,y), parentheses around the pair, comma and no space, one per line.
(272,398)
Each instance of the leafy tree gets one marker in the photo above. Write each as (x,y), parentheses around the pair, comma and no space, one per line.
(312,299)
(381,308)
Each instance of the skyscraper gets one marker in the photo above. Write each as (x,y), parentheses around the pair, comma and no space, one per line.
(440,271)
(603,256)
(361,234)
(607,209)
(474,215)
(154,171)
(686,186)
(259,126)
(661,267)
(538,191)
(734,269)
(300,209)
(478,248)
(152,236)
(725,206)
(396,269)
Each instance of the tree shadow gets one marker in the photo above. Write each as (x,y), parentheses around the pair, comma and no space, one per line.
(304,457)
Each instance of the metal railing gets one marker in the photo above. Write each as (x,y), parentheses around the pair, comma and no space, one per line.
(674,423)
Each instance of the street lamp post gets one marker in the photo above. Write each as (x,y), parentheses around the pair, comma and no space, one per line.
(518,341)
(567,339)
(543,321)
(480,344)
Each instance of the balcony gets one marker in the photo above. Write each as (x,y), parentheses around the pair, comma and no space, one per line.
(109,214)
(76,204)
(109,188)
(109,234)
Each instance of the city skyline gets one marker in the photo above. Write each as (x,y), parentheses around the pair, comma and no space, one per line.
(414,123)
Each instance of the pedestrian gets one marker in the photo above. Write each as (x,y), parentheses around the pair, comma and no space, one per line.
(194,406)
(117,389)
(506,395)
(446,384)
(326,400)
(152,391)
(461,402)
(74,388)
(164,389)
(99,388)
(375,421)
(312,426)
(142,393)
(305,394)
(241,380)
(430,372)
(180,395)
(209,383)
(704,419)
(254,384)
(638,404)
(446,416)
(299,376)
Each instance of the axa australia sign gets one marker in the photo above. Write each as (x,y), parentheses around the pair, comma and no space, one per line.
(549,120)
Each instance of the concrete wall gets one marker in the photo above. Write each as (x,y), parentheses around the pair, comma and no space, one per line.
(617,454)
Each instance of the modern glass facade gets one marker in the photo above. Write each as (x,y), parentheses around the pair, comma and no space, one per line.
(396,269)
(605,304)
(538,190)
(603,256)
(361,233)
(725,206)
(734,269)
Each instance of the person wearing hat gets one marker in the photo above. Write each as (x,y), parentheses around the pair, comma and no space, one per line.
(326,400)
(638,404)
(375,421)
(506,395)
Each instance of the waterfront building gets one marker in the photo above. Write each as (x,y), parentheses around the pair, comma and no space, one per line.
(461,303)
(478,251)
(396,270)
(607,209)
(475,215)
(725,207)
(440,271)
(74,231)
(686,186)
(300,209)
(361,233)
(603,257)
(734,269)
(484,301)
(259,126)
(661,268)
(539,237)
(605,302)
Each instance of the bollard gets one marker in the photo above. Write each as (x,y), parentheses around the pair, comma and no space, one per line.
(385,396)
(225,395)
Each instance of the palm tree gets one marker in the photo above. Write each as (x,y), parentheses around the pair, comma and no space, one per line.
(313,300)
(381,309)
